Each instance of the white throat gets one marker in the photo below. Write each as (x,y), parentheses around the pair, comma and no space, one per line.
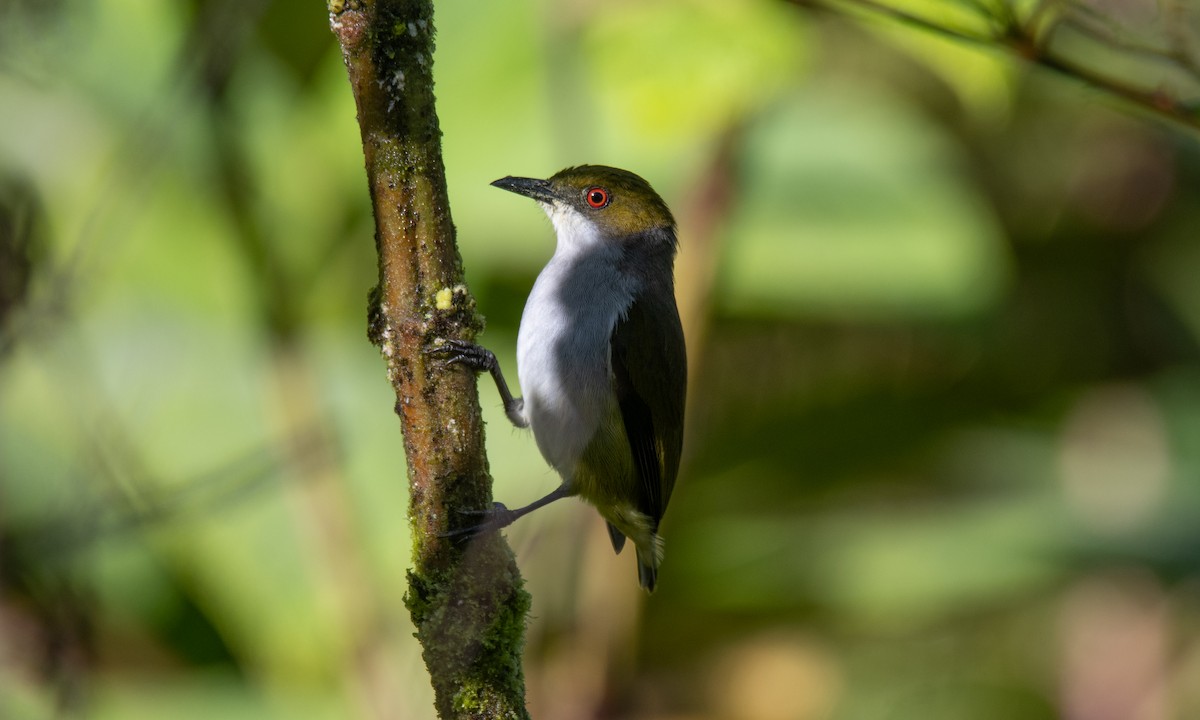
(574,231)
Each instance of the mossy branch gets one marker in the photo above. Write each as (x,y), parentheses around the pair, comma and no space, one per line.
(467,602)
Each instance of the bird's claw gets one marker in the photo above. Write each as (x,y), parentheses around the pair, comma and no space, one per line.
(496,518)
(461,352)
(496,509)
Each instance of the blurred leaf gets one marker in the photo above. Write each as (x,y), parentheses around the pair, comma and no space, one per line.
(850,205)
(983,80)
(205,695)
(682,71)
(494,109)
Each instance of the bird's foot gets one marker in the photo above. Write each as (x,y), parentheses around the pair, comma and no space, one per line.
(461,352)
(496,517)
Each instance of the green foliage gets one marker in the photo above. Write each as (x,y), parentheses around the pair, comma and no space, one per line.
(852,202)
(945,406)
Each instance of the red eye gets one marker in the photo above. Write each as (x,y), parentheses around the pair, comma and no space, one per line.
(597,197)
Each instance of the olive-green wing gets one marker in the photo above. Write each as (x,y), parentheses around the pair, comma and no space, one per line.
(649,365)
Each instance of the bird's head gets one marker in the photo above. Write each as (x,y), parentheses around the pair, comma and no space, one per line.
(596,202)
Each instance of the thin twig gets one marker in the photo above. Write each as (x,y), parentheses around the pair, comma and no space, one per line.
(1033,48)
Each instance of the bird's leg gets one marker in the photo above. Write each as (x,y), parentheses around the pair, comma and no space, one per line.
(500,517)
(479,359)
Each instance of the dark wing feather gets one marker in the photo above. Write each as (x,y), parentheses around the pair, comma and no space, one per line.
(650,376)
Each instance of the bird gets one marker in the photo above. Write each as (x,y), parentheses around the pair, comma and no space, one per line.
(601,359)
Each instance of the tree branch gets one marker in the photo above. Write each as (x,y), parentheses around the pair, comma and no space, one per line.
(467,601)
(1030,42)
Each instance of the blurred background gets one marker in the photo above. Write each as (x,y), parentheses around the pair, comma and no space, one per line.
(943,310)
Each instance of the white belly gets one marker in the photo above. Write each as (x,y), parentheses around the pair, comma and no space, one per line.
(563,351)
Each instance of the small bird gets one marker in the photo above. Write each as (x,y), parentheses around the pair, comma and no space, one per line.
(600,355)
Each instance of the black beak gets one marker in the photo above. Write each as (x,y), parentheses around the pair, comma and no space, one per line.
(529,187)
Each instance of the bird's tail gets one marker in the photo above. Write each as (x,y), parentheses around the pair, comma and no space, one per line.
(647,574)
(648,560)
